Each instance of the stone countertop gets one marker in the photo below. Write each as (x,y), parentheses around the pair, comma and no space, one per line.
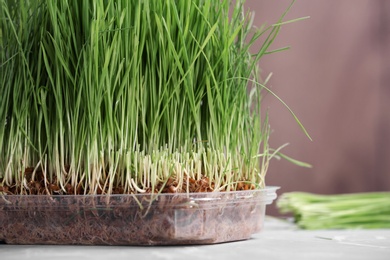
(279,240)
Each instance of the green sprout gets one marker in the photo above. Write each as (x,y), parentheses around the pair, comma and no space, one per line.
(118,96)
(338,211)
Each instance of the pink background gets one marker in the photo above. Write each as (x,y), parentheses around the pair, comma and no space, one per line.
(336,78)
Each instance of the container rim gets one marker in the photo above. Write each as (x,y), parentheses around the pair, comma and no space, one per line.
(265,190)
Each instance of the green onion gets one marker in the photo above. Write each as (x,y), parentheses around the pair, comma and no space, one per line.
(342,211)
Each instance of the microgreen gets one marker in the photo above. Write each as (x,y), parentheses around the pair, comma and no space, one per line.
(338,211)
(101,96)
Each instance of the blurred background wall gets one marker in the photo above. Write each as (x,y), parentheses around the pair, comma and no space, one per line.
(336,78)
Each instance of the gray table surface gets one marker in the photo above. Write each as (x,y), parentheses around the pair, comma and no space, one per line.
(279,240)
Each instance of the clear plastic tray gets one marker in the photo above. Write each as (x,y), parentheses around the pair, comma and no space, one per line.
(142,219)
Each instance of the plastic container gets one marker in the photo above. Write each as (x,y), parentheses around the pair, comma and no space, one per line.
(142,219)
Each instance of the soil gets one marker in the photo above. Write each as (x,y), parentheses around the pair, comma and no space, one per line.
(44,215)
(120,220)
(37,185)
